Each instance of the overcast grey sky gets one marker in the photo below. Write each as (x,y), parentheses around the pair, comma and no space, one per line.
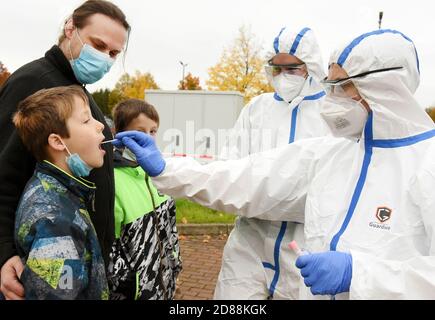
(196,31)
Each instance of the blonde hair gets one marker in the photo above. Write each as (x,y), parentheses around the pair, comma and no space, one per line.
(43,113)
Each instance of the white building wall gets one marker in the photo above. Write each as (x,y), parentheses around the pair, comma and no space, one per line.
(194,122)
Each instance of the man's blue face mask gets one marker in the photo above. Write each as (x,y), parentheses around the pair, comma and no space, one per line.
(91,65)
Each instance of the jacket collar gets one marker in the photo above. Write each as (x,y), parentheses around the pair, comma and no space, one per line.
(78,186)
(56,57)
(120,162)
(133,168)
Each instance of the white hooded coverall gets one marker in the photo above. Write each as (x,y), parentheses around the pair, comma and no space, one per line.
(356,196)
(257,262)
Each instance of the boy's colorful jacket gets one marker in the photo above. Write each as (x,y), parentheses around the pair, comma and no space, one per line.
(56,240)
(145,259)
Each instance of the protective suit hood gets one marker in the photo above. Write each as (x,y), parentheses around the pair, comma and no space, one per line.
(303,45)
(353,197)
(390,94)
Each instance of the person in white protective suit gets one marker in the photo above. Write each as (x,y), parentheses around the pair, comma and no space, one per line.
(257,262)
(368,230)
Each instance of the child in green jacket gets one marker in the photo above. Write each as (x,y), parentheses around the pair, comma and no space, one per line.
(145,259)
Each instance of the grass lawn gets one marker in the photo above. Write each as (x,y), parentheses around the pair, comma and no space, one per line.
(189,212)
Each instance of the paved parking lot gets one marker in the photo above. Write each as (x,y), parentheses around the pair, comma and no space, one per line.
(201,264)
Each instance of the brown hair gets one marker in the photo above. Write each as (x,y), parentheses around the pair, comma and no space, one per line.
(130,109)
(43,113)
(81,14)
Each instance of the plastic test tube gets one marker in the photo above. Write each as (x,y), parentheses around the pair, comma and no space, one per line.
(294,246)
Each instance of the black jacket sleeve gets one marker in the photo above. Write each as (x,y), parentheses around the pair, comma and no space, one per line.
(16,162)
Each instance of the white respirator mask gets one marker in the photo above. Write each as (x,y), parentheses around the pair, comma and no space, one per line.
(345,117)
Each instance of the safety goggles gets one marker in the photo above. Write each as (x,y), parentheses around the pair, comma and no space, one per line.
(344,87)
(292,69)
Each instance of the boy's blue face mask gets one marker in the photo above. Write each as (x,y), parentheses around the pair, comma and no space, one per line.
(91,65)
(77,166)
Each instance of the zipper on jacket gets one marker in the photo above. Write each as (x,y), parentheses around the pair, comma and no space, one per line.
(156,231)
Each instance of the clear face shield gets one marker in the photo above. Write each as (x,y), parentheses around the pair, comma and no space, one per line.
(342,89)
(287,79)
(343,108)
(345,88)
(273,70)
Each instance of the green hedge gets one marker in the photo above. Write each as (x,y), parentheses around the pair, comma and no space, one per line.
(189,212)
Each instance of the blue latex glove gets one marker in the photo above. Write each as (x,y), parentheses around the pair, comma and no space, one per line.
(327,272)
(144,148)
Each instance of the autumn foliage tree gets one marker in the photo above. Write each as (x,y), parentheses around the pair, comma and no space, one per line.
(4,74)
(131,87)
(189,83)
(240,68)
(101,97)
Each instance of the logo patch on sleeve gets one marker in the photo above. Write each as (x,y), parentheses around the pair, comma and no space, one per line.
(383,214)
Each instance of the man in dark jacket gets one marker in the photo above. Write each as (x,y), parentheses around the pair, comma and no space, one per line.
(93,37)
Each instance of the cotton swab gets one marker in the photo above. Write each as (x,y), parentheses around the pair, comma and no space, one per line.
(108,141)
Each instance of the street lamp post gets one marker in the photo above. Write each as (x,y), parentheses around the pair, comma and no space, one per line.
(184,65)
(381,14)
